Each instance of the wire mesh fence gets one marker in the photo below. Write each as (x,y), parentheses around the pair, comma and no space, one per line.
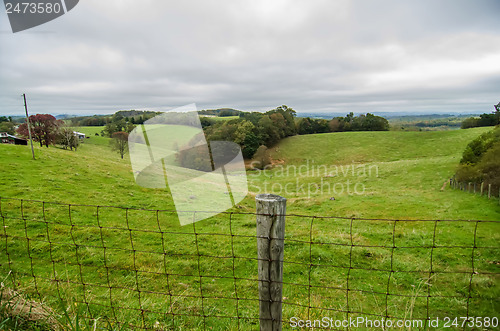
(139,269)
(483,189)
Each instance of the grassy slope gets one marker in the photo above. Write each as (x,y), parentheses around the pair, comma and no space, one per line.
(412,168)
(94,174)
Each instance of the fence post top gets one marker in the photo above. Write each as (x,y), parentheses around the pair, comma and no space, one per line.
(269,197)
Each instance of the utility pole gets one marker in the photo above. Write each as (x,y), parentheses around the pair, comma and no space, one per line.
(29,126)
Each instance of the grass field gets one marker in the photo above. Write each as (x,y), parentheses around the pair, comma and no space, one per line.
(396,175)
(400,174)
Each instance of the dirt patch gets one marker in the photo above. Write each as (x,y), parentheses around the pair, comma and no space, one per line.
(274,163)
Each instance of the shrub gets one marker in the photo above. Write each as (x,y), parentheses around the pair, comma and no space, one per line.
(481,160)
(262,157)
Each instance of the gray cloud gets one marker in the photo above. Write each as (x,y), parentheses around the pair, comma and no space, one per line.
(103,56)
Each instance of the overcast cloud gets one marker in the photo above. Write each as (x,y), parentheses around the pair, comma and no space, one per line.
(315,56)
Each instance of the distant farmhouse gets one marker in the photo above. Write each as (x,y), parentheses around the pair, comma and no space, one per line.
(6,138)
(79,135)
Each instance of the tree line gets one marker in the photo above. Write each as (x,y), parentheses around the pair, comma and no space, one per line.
(128,116)
(221,112)
(485,119)
(47,130)
(254,129)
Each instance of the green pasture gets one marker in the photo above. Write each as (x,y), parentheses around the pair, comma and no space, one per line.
(161,268)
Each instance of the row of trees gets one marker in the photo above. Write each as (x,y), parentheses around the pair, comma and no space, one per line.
(47,130)
(483,120)
(368,122)
(117,123)
(129,116)
(254,129)
(251,130)
(221,112)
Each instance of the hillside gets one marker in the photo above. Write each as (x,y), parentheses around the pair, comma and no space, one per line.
(412,167)
(94,174)
(177,270)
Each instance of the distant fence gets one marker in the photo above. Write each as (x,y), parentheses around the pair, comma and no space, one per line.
(137,268)
(477,188)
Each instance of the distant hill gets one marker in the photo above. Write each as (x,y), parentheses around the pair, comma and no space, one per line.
(131,113)
(427,122)
(387,115)
(220,112)
(65,116)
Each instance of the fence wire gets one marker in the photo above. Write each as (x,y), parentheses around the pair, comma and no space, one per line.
(139,269)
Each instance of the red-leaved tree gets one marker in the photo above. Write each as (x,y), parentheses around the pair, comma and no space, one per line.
(43,128)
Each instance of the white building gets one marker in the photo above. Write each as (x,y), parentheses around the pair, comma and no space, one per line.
(79,135)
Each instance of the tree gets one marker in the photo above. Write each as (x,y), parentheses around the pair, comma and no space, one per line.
(7,127)
(268,131)
(206,121)
(288,115)
(44,128)
(335,125)
(262,157)
(245,137)
(67,138)
(304,126)
(120,142)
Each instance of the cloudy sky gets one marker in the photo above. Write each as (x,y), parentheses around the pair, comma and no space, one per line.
(312,55)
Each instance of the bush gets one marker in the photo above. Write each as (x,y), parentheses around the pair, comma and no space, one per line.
(262,157)
(476,148)
(481,161)
(489,167)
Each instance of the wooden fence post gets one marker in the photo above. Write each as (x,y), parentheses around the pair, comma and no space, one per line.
(271,211)
(489,191)
(482,188)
